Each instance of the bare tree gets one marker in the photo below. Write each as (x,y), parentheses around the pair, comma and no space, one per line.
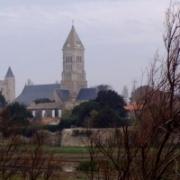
(149,149)
(37,164)
(10,158)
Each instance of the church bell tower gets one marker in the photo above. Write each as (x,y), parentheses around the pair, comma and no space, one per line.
(73,75)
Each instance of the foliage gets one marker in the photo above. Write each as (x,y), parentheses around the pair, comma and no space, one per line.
(18,114)
(2,101)
(87,166)
(107,110)
(13,118)
(112,100)
(28,131)
(81,113)
(149,150)
(30,159)
(106,118)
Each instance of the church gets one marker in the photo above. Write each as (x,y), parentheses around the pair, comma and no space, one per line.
(48,100)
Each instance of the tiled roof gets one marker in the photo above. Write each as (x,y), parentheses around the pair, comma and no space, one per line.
(87,94)
(63,94)
(33,92)
(133,107)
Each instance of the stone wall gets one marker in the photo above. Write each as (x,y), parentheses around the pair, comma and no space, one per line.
(82,136)
(75,137)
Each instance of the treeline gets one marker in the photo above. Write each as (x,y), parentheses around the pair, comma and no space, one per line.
(106,111)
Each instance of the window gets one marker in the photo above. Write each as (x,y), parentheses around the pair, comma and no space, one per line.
(69,59)
(78,59)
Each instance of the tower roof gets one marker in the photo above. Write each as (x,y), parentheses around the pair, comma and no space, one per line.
(9,73)
(73,40)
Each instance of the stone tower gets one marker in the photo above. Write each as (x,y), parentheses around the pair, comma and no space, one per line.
(9,86)
(73,75)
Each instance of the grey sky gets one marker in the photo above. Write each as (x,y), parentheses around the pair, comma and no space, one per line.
(120,37)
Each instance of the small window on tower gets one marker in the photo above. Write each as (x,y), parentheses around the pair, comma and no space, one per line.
(69,59)
(78,59)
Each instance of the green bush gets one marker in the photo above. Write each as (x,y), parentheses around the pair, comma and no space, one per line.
(87,166)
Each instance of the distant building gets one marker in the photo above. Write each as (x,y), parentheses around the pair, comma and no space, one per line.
(7,86)
(50,99)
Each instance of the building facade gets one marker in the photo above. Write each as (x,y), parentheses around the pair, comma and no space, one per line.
(7,86)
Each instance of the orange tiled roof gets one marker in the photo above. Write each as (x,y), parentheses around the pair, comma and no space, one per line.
(133,107)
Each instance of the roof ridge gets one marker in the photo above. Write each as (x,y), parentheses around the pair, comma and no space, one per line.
(42,84)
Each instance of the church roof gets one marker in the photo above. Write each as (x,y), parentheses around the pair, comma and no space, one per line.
(86,94)
(34,92)
(31,93)
(9,73)
(73,40)
(63,94)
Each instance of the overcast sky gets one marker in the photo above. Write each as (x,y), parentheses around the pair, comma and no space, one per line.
(120,37)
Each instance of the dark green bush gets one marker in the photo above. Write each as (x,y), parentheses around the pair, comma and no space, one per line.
(87,166)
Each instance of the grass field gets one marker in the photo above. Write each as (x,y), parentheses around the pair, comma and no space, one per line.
(59,149)
(64,157)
